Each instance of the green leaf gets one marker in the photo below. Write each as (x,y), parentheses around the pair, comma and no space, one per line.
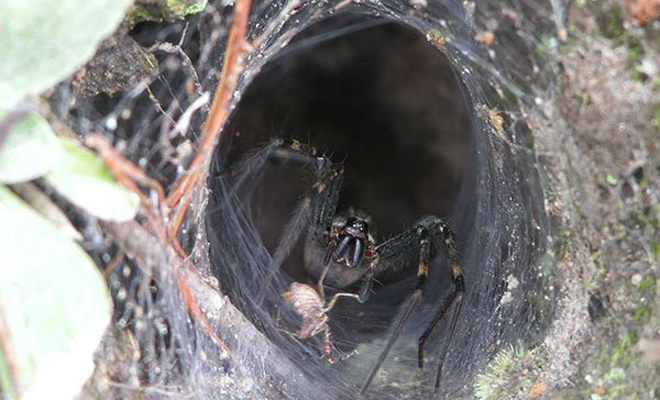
(46,207)
(54,304)
(82,177)
(44,42)
(29,150)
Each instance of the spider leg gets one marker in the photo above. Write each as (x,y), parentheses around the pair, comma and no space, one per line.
(426,230)
(456,296)
(321,279)
(367,281)
(421,234)
(300,219)
(320,198)
(252,164)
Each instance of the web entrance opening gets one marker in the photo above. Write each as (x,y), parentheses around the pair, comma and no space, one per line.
(375,96)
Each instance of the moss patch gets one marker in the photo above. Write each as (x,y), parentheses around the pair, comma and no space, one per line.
(164,10)
(513,373)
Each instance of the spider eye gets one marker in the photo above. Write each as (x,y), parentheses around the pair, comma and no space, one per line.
(357,225)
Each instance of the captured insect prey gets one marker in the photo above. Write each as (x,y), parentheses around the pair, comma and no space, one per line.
(310,305)
(340,250)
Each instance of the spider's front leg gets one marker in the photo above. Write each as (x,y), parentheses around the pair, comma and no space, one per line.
(249,170)
(317,206)
(428,230)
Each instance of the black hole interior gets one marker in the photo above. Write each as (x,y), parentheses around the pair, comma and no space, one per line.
(379,99)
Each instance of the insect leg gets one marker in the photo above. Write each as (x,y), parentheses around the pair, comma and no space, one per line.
(336,297)
(327,349)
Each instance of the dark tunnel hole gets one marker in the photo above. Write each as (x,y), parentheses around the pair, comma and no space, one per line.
(376,97)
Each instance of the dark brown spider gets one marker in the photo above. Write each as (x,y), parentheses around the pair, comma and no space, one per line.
(341,250)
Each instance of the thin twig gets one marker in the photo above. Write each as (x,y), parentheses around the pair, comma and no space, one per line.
(126,173)
(159,106)
(231,70)
(176,49)
(113,264)
(183,123)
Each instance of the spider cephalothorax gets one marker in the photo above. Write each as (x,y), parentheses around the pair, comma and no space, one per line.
(340,250)
(350,241)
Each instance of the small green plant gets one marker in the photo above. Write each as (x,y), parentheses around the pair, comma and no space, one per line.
(648,283)
(611,25)
(512,372)
(562,244)
(614,381)
(656,252)
(643,313)
(622,352)
(655,118)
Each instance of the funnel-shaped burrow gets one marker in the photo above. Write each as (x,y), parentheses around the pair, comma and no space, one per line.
(405,112)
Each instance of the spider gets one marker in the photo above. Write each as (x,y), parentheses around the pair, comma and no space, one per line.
(340,248)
